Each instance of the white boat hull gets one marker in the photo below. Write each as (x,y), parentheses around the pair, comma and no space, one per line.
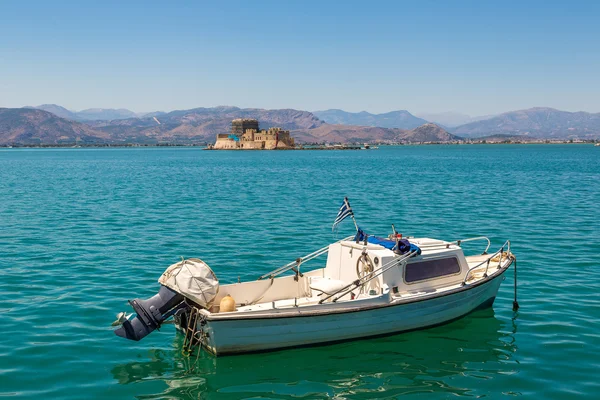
(241,335)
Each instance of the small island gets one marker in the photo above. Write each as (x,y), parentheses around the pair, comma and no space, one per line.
(246,135)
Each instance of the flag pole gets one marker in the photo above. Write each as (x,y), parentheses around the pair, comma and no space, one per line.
(351,213)
(356,226)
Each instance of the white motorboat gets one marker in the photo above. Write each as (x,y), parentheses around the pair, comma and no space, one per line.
(368,286)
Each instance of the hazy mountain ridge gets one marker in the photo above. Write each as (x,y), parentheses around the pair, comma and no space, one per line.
(540,122)
(451,119)
(93,114)
(90,114)
(394,119)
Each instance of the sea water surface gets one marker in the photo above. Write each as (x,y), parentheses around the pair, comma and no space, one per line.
(84,230)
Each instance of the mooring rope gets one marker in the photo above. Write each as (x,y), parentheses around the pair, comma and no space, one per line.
(515,303)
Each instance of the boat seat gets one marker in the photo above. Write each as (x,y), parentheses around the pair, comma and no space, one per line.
(325,285)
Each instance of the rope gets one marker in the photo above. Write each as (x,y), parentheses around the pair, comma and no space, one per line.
(509,256)
(503,256)
(515,302)
(256,300)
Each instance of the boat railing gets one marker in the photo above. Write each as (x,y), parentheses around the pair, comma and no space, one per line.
(458,243)
(366,279)
(295,265)
(501,257)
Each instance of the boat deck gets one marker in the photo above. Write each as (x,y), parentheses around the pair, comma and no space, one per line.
(478,264)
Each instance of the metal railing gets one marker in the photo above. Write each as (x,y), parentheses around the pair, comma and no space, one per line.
(458,243)
(488,260)
(294,265)
(366,279)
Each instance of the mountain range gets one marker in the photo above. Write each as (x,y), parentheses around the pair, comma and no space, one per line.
(52,124)
(540,122)
(451,119)
(90,114)
(357,134)
(394,119)
(200,124)
(34,126)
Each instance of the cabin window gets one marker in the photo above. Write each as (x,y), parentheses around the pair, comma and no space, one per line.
(424,270)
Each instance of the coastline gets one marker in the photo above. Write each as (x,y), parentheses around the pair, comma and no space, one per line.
(204,146)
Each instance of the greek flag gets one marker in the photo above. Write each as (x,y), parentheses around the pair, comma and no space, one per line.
(345,210)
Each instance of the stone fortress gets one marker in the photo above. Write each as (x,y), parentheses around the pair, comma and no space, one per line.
(245,135)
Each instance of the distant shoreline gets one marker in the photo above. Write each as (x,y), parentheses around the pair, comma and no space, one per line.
(312,147)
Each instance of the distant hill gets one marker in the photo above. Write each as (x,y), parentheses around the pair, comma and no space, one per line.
(91,114)
(507,138)
(94,114)
(428,133)
(358,134)
(202,124)
(57,110)
(451,119)
(395,119)
(31,126)
(544,123)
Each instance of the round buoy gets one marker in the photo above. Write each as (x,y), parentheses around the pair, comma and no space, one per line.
(227,304)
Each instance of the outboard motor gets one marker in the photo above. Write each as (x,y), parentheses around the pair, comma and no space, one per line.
(189,279)
(151,313)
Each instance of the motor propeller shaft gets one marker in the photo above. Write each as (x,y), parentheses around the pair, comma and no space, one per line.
(151,313)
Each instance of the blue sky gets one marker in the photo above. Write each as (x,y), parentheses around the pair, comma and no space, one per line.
(476,57)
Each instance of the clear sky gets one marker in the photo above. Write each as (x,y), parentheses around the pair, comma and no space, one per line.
(477,57)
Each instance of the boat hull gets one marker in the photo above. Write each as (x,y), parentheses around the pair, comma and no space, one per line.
(243,335)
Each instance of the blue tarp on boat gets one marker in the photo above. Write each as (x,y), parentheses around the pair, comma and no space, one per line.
(404,246)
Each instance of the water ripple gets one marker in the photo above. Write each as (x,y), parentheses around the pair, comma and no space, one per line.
(83,230)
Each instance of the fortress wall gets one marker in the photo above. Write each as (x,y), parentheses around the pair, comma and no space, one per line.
(270,144)
(250,145)
(253,139)
(225,143)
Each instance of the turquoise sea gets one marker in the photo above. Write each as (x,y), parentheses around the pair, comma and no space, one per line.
(84,230)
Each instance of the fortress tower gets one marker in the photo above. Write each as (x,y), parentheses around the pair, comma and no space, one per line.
(240,125)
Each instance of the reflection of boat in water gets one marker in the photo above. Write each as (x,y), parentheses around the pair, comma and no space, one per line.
(422,360)
(369,286)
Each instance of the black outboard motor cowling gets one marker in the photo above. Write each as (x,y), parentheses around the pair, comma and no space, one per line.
(151,313)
